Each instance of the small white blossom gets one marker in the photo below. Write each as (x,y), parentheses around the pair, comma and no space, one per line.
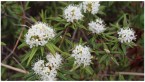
(82,55)
(97,26)
(72,13)
(54,61)
(38,66)
(50,77)
(126,35)
(45,71)
(91,6)
(39,34)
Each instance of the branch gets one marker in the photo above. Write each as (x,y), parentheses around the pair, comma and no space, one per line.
(14,68)
(63,37)
(130,73)
(74,33)
(23,21)
(85,37)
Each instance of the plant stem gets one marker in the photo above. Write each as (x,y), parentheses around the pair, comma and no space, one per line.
(14,68)
(74,34)
(23,21)
(63,37)
(130,73)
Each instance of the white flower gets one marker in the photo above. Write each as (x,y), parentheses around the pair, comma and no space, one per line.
(97,26)
(49,77)
(91,6)
(45,71)
(54,61)
(82,55)
(38,66)
(39,34)
(72,13)
(126,35)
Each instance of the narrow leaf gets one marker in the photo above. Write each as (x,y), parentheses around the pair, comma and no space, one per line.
(22,45)
(31,55)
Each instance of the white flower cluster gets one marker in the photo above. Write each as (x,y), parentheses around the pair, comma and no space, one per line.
(54,61)
(72,13)
(126,35)
(82,55)
(39,34)
(91,6)
(47,70)
(97,26)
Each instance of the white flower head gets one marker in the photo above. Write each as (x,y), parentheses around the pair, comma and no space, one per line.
(97,26)
(72,13)
(82,55)
(126,35)
(54,61)
(38,66)
(39,34)
(45,71)
(91,6)
(49,77)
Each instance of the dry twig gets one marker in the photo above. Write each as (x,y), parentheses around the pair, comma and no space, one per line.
(130,73)
(14,68)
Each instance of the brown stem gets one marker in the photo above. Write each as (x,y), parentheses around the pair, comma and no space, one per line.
(23,22)
(74,33)
(130,73)
(14,68)
(63,37)
(85,37)
(19,63)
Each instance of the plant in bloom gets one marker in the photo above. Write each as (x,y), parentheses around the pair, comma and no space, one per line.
(97,26)
(39,34)
(72,13)
(82,55)
(47,71)
(91,6)
(126,35)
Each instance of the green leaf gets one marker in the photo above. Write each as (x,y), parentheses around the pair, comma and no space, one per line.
(43,15)
(68,34)
(67,24)
(121,77)
(80,41)
(33,19)
(69,42)
(74,67)
(50,48)
(22,45)
(115,47)
(42,50)
(125,21)
(26,57)
(103,58)
(101,8)
(17,75)
(101,13)
(114,60)
(55,47)
(56,19)
(89,70)
(29,75)
(3,44)
(112,37)
(123,48)
(32,55)
(60,75)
